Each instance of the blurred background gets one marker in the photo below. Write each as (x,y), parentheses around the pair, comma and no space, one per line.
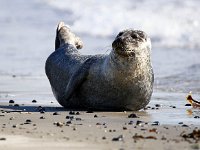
(27,33)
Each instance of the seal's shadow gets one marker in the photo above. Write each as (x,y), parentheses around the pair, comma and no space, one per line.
(37,108)
(24,108)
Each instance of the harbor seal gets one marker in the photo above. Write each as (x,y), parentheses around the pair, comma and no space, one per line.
(122,80)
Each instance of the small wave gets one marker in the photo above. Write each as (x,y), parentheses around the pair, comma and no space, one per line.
(175,23)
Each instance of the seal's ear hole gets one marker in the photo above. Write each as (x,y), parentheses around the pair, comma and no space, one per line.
(120,33)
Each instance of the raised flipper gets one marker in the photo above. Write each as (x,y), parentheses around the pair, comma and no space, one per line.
(78,78)
(57,41)
(64,35)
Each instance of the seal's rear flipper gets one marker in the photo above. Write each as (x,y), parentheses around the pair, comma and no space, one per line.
(57,41)
(78,78)
(64,35)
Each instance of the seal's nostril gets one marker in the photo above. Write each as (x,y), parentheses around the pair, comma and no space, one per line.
(134,36)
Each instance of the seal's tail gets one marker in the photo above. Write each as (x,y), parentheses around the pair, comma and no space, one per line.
(64,35)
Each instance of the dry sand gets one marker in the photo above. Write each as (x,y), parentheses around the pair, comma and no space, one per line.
(45,127)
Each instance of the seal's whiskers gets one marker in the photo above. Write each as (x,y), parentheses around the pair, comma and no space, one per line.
(108,49)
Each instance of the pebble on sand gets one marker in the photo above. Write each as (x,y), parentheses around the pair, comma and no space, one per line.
(42,117)
(70,117)
(133,116)
(188,105)
(11,101)
(2,139)
(155,123)
(56,113)
(157,105)
(34,101)
(196,117)
(28,121)
(119,138)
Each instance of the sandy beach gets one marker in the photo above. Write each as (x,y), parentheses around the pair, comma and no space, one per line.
(48,127)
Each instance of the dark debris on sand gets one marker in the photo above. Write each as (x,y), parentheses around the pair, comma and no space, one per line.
(2,139)
(195,134)
(11,101)
(131,128)
(119,138)
(133,116)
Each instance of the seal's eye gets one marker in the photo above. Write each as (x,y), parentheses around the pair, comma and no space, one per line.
(142,35)
(120,33)
(134,36)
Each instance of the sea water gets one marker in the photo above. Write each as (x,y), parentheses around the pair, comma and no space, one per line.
(27,35)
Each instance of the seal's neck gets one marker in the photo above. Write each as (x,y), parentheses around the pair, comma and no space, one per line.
(127,64)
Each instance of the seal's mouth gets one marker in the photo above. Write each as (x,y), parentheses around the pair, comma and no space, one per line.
(124,50)
(127,42)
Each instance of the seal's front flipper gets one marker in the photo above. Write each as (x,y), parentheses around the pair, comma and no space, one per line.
(77,79)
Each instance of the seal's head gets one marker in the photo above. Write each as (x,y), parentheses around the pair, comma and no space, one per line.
(131,43)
